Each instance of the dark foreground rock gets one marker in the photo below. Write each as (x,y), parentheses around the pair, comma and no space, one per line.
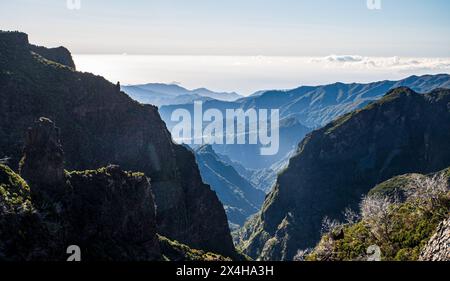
(108,213)
(100,125)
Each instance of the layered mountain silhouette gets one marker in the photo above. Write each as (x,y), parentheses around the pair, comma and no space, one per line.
(168,94)
(403,132)
(99,169)
(303,109)
(238,195)
(100,125)
(314,106)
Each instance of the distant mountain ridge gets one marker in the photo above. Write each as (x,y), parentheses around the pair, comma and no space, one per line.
(160,94)
(303,109)
(315,106)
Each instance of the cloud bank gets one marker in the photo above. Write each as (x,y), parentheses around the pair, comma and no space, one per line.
(395,63)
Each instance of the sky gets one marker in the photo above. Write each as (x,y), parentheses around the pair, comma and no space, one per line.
(248,74)
(236,27)
(241,45)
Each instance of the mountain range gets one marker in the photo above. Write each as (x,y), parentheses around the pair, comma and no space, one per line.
(301,110)
(304,109)
(159,94)
(82,163)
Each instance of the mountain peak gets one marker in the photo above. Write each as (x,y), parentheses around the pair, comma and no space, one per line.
(400,91)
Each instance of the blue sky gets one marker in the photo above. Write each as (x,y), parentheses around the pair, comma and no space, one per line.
(236,27)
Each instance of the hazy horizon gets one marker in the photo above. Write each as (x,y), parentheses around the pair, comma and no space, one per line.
(241,45)
(249,74)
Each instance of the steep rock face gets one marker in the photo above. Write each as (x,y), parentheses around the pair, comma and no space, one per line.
(112,215)
(403,132)
(240,198)
(438,248)
(43,160)
(22,236)
(101,125)
(108,213)
(203,218)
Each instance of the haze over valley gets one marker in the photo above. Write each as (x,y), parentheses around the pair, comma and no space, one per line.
(238,130)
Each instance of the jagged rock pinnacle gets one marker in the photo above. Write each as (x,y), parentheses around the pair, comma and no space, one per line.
(43,162)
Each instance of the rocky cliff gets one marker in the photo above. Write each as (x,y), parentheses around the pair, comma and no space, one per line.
(336,165)
(438,248)
(108,213)
(100,125)
(239,197)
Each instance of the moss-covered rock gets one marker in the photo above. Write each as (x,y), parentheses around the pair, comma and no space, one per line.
(14,191)
(23,235)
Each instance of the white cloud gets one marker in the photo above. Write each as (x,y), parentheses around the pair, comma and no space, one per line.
(343,58)
(395,63)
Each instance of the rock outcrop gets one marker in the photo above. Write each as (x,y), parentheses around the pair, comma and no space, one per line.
(43,161)
(108,213)
(99,125)
(438,248)
(112,215)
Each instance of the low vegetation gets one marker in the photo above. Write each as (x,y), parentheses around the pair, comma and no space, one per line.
(14,191)
(398,216)
(176,251)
